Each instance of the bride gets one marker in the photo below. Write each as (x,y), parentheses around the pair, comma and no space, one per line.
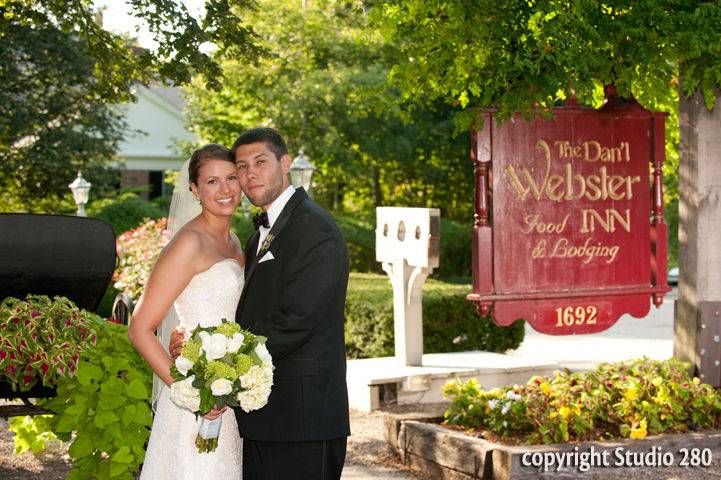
(199,273)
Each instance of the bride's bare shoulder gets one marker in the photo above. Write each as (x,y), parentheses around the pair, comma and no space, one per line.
(185,245)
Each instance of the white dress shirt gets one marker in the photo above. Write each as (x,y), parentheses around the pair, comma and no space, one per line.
(274,212)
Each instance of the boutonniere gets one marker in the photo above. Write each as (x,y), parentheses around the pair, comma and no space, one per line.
(266,243)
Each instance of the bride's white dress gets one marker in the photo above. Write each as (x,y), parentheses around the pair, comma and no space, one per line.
(171,452)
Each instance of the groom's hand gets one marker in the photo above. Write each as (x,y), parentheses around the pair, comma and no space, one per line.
(177,340)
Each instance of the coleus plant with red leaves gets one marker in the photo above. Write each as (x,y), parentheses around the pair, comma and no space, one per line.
(41,340)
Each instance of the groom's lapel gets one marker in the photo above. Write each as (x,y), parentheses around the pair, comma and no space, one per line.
(278,226)
(251,247)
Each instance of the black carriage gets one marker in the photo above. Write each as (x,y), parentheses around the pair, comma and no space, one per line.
(53,255)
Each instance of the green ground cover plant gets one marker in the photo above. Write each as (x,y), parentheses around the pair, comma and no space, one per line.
(626,399)
(104,408)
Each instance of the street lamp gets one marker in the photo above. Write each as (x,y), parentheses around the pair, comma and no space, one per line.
(301,171)
(81,190)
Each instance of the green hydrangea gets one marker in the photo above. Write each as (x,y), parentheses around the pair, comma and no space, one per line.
(217,369)
(191,350)
(228,329)
(242,364)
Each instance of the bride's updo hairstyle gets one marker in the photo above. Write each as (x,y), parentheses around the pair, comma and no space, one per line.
(211,151)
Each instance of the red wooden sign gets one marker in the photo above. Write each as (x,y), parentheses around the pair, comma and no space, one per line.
(569,231)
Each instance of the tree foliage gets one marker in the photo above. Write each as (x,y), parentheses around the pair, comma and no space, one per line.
(179,36)
(51,122)
(323,85)
(61,73)
(524,56)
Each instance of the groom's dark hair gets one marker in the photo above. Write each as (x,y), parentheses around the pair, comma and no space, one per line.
(268,136)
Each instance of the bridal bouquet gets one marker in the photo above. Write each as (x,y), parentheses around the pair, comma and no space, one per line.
(220,365)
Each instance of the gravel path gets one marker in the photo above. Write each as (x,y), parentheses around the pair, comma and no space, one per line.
(369,456)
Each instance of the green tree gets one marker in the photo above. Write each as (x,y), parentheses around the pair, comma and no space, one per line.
(179,36)
(526,56)
(323,85)
(61,72)
(51,122)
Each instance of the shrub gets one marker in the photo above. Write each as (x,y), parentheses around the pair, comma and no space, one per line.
(40,340)
(360,237)
(138,250)
(243,227)
(629,399)
(455,255)
(450,322)
(124,212)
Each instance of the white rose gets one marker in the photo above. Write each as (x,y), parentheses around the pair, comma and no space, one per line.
(183,365)
(210,322)
(262,351)
(221,386)
(235,342)
(213,345)
(184,395)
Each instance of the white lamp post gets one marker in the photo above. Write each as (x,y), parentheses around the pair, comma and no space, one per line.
(301,171)
(81,191)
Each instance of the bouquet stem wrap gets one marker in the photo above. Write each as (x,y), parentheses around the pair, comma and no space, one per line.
(208,432)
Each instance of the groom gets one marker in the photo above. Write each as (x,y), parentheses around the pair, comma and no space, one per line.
(296,276)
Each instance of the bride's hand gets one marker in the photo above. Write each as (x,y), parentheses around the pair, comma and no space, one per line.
(215,413)
(177,340)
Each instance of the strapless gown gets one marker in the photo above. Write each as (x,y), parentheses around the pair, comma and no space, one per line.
(171,452)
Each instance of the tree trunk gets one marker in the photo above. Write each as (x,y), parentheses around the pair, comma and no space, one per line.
(697,322)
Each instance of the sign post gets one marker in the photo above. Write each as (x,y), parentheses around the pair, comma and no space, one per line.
(407,244)
(569,231)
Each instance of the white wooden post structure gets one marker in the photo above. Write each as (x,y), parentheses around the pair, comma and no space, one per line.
(408,245)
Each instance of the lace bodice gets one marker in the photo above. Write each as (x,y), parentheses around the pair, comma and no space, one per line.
(214,292)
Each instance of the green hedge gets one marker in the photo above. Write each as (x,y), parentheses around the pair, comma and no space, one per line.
(450,322)
(124,212)
(455,260)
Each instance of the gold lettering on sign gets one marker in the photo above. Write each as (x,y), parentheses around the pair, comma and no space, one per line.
(593,151)
(579,315)
(573,186)
(563,249)
(589,217)
(534,224)
(584,173)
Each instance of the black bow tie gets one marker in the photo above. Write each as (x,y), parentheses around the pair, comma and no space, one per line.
(261,220)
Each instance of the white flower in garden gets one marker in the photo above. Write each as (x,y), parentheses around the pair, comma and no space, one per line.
(511,395)
(492,404)
(184,395)
(213,345)
(235,342)
(221,386)
(262,351)
(183,365)
(506,408)
(210,322)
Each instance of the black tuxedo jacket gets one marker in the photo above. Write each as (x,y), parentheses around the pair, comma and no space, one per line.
(297,301)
